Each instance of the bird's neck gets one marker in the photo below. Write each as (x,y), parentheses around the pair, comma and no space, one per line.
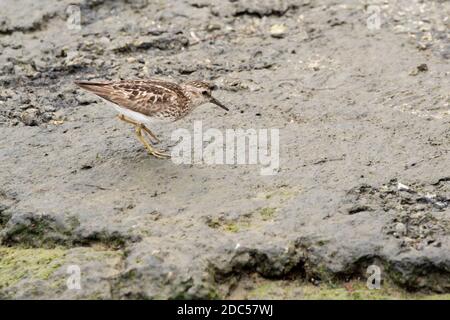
(195,99)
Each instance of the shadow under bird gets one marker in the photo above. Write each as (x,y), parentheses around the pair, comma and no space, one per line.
(144,102)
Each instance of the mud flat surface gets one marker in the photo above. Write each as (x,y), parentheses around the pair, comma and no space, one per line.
(364,176)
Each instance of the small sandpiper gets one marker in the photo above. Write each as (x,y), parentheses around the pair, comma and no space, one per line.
(144,102)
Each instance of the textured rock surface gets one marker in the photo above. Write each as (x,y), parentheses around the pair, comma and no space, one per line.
(364,129)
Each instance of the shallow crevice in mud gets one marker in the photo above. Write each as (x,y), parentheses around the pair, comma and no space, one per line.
(261,9)
(412,275)
(289,264)
(260,13)
(420,276)
(168,44)
(44,231)
(277,265)
(113,240)
(34,26)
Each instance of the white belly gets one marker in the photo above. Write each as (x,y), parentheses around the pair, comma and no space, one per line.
(136,116)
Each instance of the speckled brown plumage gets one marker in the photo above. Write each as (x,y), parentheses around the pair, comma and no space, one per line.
(153,98)
(140,102)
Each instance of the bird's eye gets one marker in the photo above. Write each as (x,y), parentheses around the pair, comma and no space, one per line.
(205,92)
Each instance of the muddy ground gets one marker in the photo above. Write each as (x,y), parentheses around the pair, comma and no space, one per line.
(364,178)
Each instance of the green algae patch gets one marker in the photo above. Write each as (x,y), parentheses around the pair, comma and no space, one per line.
(281,193)
(232,226)
(17,264)
(235,226)
(261,288)
(353,291)
(357,290)
(267,213)
(250,220)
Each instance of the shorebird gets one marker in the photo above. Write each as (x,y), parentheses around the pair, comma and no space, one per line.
(144,102)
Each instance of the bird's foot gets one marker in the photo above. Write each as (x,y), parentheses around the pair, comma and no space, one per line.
(150,149)
(158,153)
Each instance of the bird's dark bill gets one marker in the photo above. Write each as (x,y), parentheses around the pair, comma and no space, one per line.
(218,103)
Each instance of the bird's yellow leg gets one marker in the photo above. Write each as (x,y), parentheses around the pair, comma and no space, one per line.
(152,151)
(147,130)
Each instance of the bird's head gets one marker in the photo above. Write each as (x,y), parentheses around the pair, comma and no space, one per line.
(200,92)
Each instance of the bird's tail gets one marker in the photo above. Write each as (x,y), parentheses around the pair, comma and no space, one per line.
(102,89)
(91,85)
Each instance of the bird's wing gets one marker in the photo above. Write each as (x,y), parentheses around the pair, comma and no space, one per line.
(149,97)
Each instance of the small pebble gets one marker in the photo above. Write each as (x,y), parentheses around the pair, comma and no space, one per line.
(420,68)
(49,108)
(402,187)
(30,117)
(278,31)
